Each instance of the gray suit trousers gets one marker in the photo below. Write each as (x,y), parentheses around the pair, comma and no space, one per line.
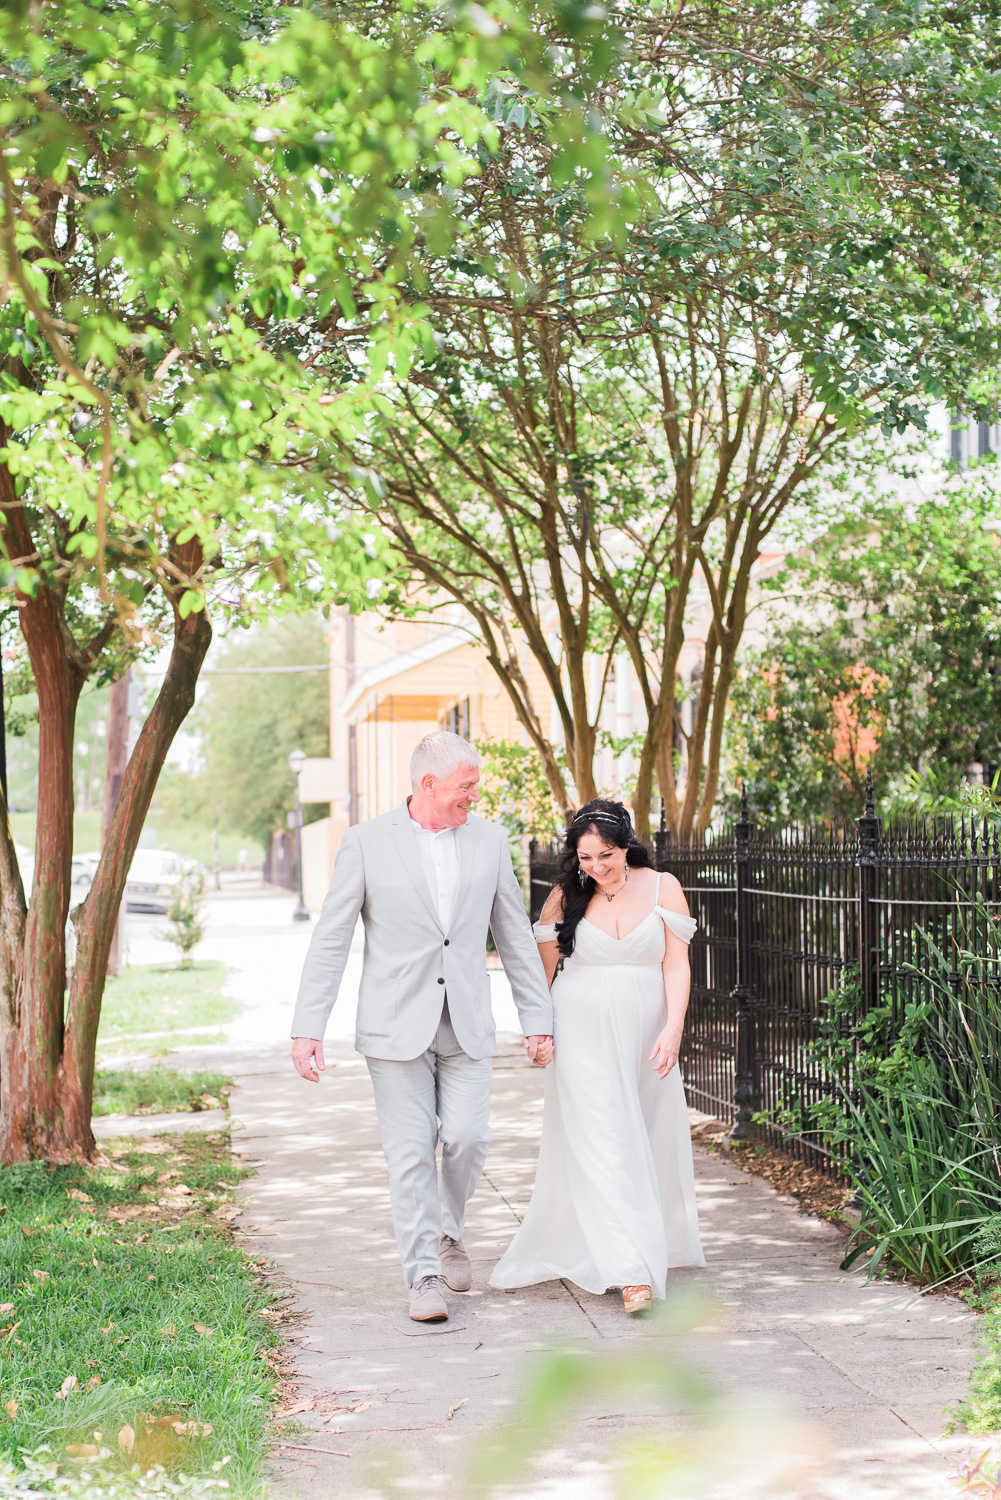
(440,1098)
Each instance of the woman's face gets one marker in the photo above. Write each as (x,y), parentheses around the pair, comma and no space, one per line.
(604,862)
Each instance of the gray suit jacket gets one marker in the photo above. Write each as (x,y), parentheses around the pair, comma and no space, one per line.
(411,963)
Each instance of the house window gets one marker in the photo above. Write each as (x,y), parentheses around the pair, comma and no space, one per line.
(970,441)
(457,719)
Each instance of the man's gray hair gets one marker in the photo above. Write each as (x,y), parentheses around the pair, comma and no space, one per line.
(440,754)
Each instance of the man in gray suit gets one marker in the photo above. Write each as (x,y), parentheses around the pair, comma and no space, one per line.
(428,881)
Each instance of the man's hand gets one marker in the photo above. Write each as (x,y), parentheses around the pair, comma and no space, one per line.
(307,1055)
(540,1050)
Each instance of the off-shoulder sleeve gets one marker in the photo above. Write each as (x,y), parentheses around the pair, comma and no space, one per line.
(545,932)
(682,926)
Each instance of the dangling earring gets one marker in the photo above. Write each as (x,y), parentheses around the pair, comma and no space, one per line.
(581,876)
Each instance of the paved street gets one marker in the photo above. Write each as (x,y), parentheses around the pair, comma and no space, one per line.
(824,1387)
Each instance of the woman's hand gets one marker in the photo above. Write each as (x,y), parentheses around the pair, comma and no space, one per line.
(540,1050)
(665,1052)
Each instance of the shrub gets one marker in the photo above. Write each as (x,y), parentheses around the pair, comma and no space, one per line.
(185,919)
(915,1104)
(920,1103)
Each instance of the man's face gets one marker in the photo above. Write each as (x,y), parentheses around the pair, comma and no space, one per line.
(452,796)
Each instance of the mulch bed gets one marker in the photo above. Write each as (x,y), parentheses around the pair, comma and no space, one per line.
(815,1193)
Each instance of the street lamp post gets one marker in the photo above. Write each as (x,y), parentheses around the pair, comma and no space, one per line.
(296,760)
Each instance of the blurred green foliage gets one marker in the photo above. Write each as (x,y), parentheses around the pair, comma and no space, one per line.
(674,1431)
(246,721)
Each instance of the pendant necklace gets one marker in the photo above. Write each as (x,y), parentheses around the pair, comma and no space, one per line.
(621,887)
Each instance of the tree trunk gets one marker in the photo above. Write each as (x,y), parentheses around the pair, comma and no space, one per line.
(116,759)
(643,794)
(40,1112)
(95,920)
(46,1068)
(12,917)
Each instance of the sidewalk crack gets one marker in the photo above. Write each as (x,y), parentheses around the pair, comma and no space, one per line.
(567,1286)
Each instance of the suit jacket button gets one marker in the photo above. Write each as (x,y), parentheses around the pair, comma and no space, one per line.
(441,981)
(446,942)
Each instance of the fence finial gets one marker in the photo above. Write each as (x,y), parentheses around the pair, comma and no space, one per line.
(743,801)
(870,797)
(663,816)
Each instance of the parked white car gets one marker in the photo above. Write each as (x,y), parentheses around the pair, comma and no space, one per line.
(82,875)
(84,869)
(153,879)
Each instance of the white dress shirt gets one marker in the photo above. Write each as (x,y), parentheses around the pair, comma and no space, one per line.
(440,862)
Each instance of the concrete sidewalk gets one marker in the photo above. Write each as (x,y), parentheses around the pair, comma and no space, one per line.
(848,1384)
(862,1376)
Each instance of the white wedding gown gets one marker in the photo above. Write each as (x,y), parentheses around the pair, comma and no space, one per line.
(614,1197)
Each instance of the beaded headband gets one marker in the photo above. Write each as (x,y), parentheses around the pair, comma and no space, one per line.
(595,817)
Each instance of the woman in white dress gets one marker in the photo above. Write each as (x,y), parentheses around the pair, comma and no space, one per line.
(614,1197)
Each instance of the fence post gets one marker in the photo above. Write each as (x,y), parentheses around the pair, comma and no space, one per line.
(745,1083)
(659,840)
(869,828)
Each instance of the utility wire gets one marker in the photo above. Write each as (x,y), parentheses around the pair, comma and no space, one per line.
(259,671)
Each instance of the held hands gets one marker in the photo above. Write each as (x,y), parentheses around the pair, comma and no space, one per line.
(307,1056)
(665,1052)
(540,1050)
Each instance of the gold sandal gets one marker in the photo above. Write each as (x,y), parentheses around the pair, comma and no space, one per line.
(636,1299)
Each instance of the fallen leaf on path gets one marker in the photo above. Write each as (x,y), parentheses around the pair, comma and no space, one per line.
(300,1406)
(453,1409)
(41,1275)
(169,1331)
(6,1307)
(82,1450)
(339,1411)
(126,1438)
(205,1332)
(11,1408)
(93,1383)
(69,1384)
(78,1196)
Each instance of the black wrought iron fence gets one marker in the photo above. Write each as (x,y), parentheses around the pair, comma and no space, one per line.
(788,915)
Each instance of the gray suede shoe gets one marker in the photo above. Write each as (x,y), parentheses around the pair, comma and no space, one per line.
(427,1303)
(455,1268)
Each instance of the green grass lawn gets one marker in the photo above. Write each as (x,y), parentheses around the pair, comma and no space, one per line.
(981,1411)
(164,1003)
(132,1326)
(158,1091)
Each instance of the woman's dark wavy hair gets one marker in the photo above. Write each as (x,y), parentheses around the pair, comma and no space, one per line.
(611,821)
